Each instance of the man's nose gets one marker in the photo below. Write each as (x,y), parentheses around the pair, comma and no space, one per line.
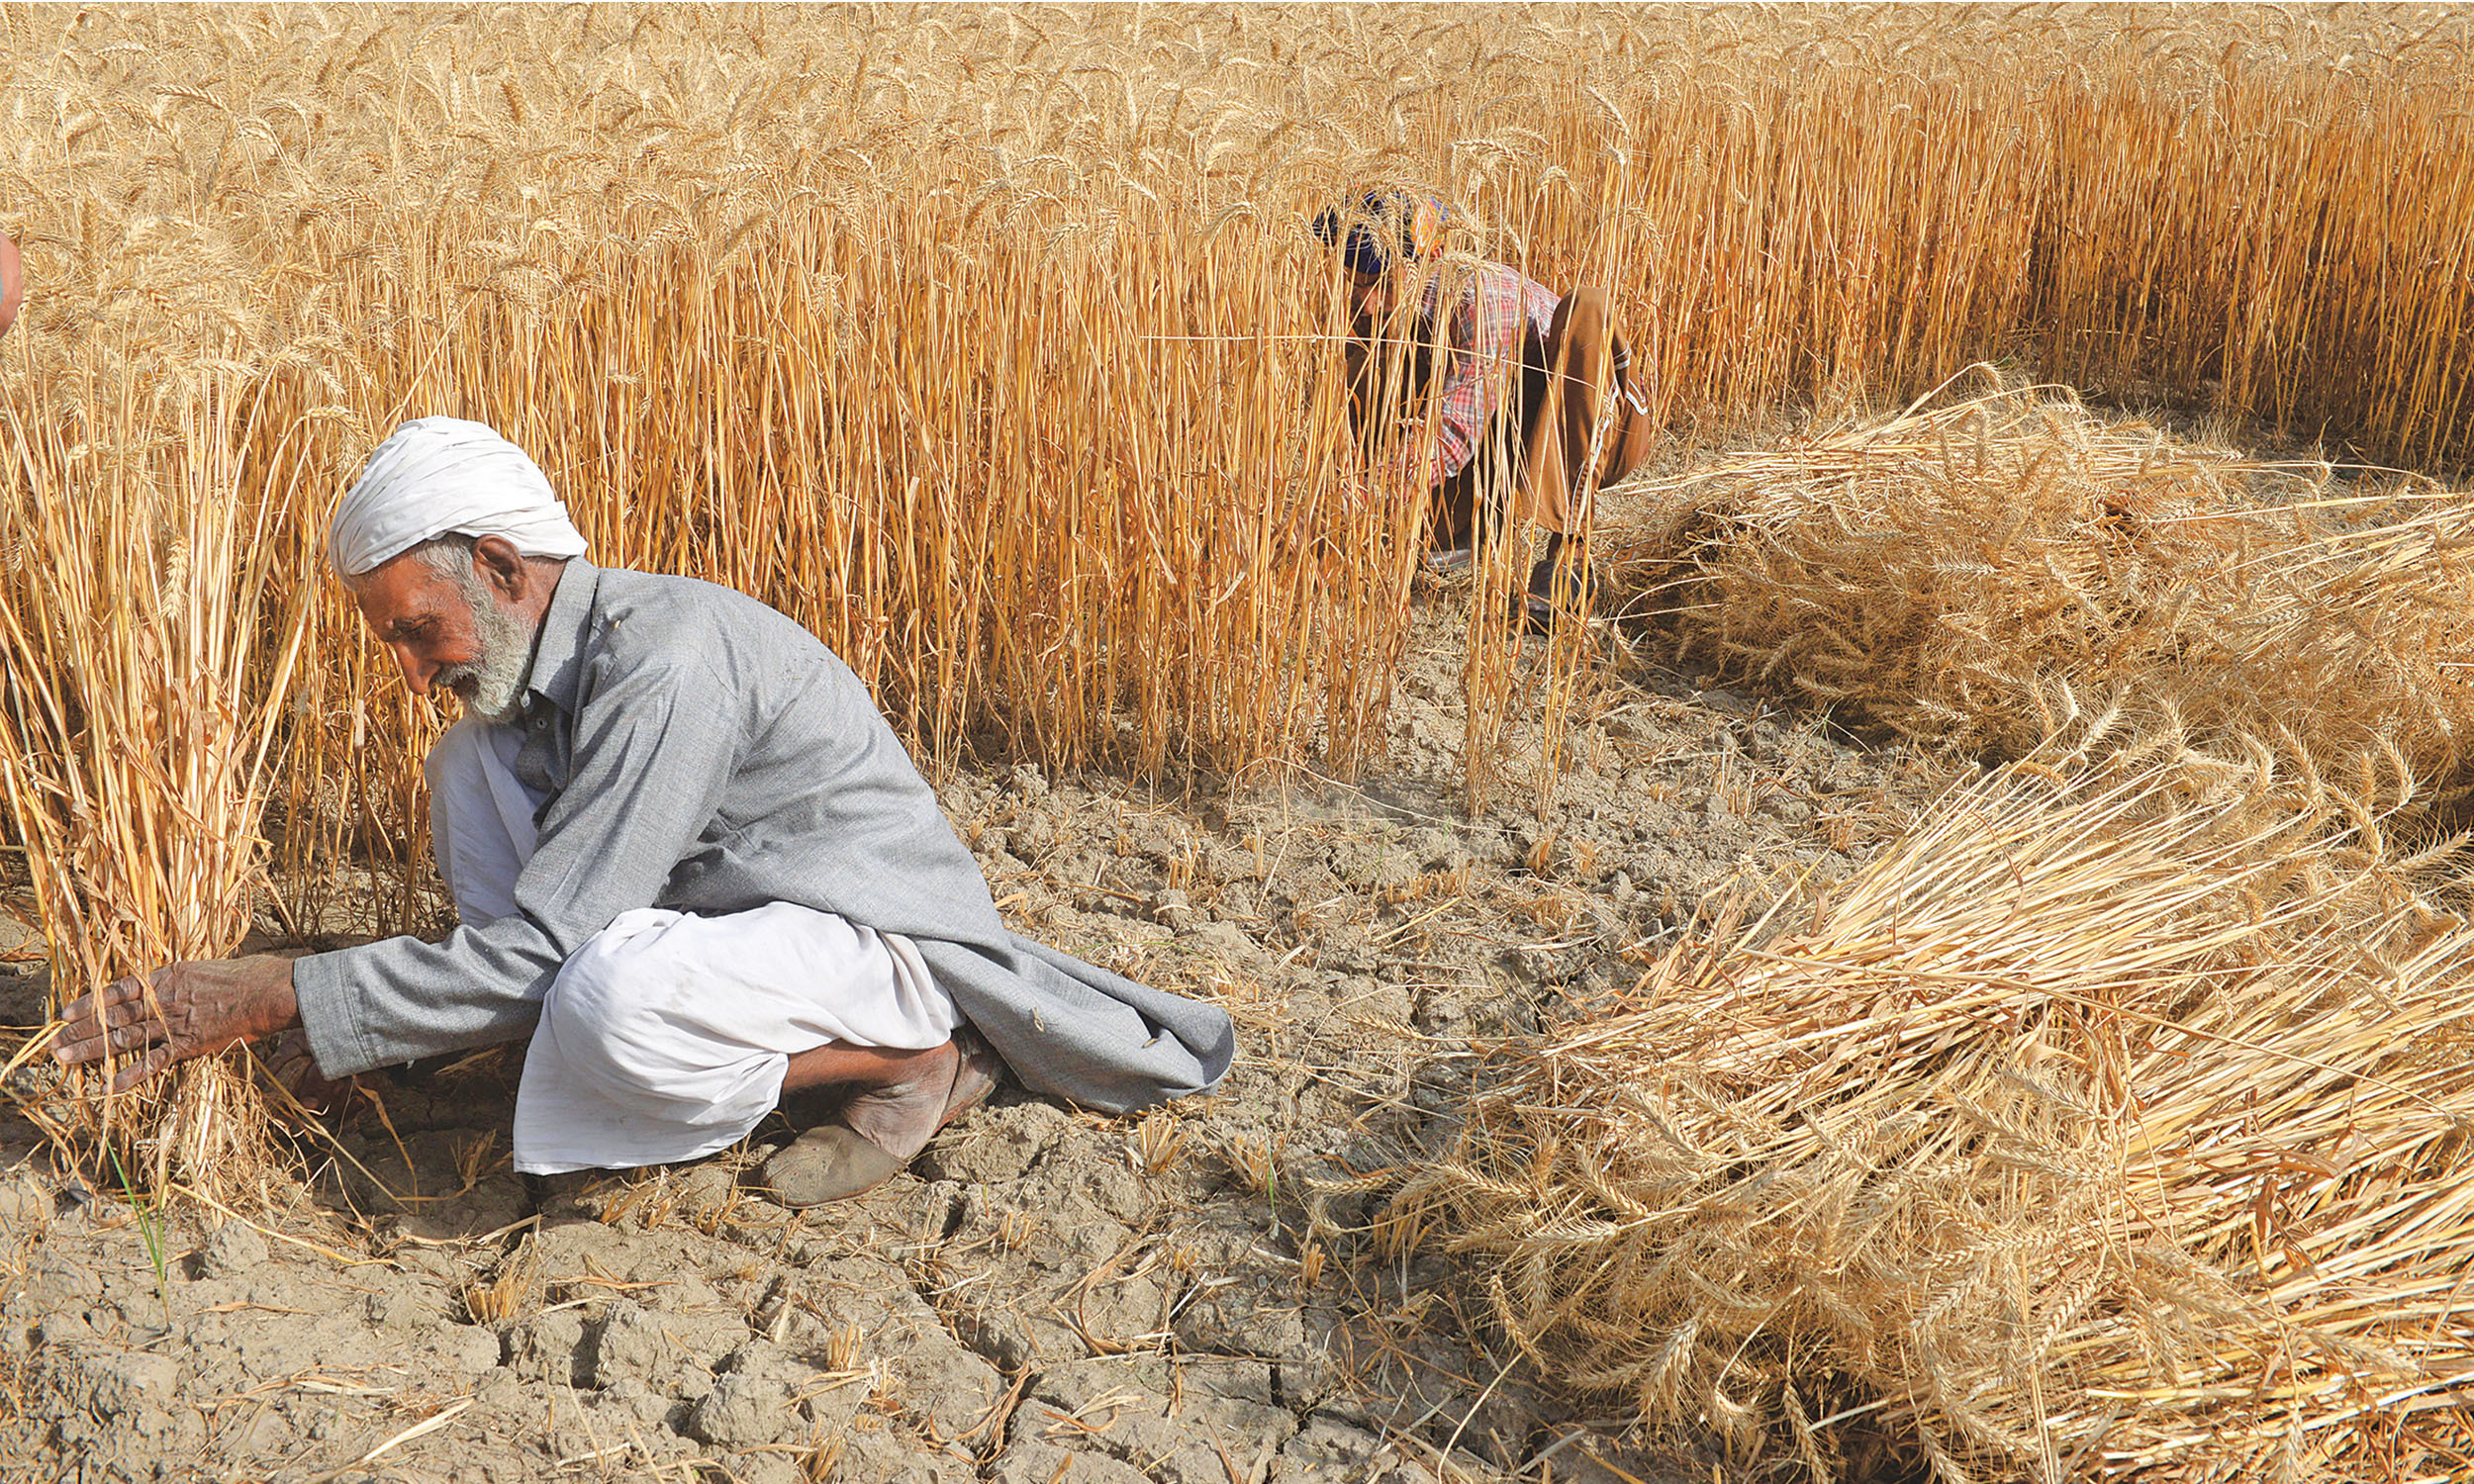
(417,671)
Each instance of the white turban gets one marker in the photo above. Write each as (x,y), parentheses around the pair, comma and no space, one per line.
(440,476)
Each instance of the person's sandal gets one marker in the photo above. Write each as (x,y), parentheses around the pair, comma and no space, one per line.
(829,1162)
(974,1077)
(834,1162)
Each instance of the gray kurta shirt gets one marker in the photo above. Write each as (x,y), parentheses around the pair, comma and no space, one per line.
(705,753)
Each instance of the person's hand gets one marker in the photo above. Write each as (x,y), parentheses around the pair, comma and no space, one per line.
(205,1007)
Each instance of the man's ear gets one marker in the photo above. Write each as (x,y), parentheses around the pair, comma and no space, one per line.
(500,566)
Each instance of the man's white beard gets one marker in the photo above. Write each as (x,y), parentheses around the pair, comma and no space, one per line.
(492,685)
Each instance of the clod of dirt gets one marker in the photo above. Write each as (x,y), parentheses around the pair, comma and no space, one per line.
(1167,1429)
(543,1348)
(126,1385)
(743,1411)
(647,1406)
(631,1345)
(231,1249)
(756,1399)
(869,1456)
(22,1203)
(991,1151)
(468,1350)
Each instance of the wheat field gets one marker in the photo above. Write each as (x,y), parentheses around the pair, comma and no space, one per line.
(993,346)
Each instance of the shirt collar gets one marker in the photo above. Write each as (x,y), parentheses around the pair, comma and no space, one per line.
(558,651)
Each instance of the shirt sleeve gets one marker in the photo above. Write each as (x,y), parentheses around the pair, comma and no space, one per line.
(654,748)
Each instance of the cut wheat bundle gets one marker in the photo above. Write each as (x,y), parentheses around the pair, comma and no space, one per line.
(1976,572)
(2089,1131)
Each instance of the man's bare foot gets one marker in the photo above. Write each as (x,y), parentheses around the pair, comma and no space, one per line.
(828,1164)
(975,1079)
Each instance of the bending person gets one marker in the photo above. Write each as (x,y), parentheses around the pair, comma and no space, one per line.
(1533,397)
(690,858)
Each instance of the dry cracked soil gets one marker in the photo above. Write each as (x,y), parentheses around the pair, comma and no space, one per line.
(1046,1296)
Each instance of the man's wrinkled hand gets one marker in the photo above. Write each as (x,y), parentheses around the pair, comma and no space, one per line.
(196,1010)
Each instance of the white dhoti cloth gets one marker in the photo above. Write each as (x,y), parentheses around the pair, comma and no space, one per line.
(665,1037)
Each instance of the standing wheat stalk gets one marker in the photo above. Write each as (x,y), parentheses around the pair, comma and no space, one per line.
(147,656)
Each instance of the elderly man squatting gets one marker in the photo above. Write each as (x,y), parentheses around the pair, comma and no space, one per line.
(688,855)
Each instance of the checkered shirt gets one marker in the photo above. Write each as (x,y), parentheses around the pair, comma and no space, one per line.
(1480,338)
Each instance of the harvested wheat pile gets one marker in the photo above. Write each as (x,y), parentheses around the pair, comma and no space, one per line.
(1978,572)
(2089,1131)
